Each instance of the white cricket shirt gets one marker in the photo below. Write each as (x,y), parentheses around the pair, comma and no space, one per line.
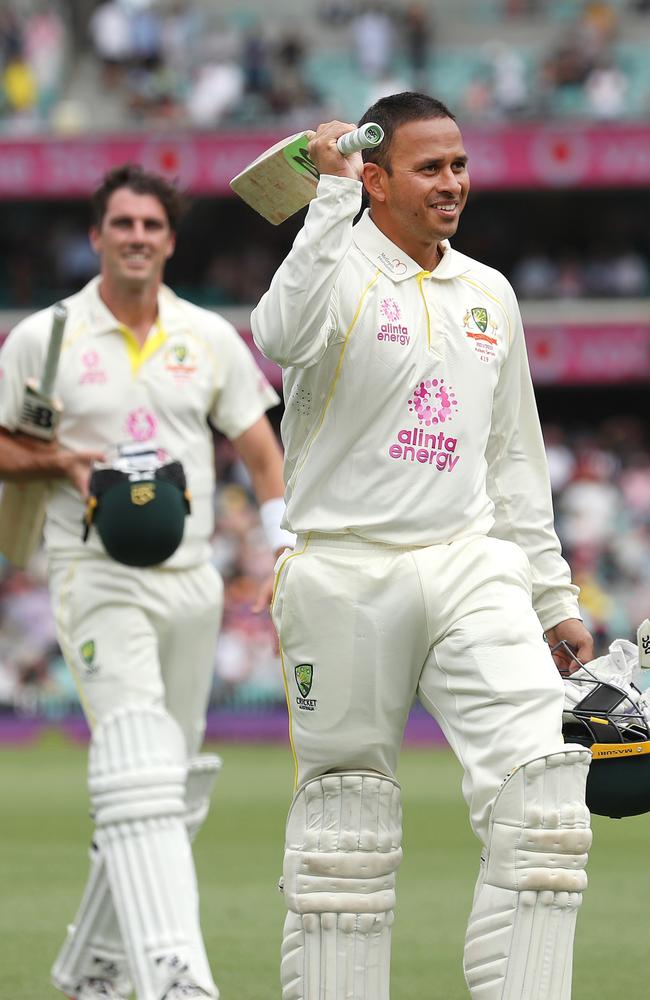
(193,368)
(410,416)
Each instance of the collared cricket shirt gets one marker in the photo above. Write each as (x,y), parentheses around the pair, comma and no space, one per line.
(193,368)
(410,417)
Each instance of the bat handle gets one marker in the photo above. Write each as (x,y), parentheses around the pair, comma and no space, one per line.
(60,314)
(366,137)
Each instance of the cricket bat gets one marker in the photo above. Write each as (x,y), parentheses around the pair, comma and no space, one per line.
(22,505)
(284,178)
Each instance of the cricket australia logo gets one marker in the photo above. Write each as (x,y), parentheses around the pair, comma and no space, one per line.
(481,330)
(304,674)
(87,652)
(180,361)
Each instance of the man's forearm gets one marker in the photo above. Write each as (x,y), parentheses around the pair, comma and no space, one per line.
(23,458)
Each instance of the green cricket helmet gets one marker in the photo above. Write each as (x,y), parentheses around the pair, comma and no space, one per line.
(613,721)
(139,515)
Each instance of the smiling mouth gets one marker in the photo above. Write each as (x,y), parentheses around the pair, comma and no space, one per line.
(136,258)
(447,207)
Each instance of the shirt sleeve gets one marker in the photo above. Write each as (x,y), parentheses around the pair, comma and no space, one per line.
(294,321)
(21,357)
(243,393)
(519,485)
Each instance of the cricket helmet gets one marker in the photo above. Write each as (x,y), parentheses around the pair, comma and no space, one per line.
(139,515)
(611,716)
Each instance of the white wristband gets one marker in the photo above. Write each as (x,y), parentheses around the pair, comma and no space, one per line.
(271,514)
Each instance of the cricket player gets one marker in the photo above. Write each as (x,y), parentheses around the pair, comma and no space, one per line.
(140,369)
(426,564)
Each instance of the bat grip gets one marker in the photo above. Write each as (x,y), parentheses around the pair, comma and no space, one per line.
(366,137)
(60,314)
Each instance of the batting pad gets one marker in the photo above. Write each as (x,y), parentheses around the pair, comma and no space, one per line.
(519,943)
(342,851)
(93,948)
(136,776)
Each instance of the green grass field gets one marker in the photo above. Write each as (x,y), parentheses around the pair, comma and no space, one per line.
(44,834)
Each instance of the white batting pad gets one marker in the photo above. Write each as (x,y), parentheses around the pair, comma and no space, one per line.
(342,851)
(519,943)
(202,773)
(136,776)
(93,948)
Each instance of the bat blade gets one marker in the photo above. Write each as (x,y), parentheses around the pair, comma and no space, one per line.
(284,178)
(279,182)
(23,504)
(22,515)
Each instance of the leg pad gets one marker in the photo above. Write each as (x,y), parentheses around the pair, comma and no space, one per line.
(342,851)
(519,943)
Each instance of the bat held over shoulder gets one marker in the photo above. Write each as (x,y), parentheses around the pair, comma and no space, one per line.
(284,178)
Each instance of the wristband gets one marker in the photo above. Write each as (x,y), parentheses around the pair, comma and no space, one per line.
(271,514)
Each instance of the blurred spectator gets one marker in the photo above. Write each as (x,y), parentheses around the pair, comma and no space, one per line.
(11,38)
(606,90)
(561,458)
(509,79)
(19,85)
(373,37)
(110,32)
(597,30)
(591,505)
(216,89)
(45,51)
(477,99)
(418,43)
(535,275)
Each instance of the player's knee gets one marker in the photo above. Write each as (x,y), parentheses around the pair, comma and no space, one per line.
(539,829)
(343,848)
(137,766)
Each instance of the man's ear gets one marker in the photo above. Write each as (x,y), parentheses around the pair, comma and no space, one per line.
(94,238)
(374,177)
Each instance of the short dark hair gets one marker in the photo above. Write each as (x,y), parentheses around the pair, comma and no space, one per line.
(137,179)
(393,111)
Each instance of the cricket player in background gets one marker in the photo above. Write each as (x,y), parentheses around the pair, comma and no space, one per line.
(142,372)
(426,565)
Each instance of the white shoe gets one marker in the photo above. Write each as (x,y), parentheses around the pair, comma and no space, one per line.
(185,991)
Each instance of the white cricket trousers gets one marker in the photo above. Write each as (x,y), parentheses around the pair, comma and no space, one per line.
(139,637)
(365,628)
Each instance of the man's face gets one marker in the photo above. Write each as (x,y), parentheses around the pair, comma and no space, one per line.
(423,196)
(134,239)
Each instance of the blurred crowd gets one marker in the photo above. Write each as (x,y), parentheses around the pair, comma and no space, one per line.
(33,50)
(601,485)
(155,63)
(584,246)
(610,270)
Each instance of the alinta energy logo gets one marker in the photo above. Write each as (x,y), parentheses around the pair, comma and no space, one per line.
(93,373)
(392,330)
(432,404)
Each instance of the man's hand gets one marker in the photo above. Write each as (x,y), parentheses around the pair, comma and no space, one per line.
(24,458)
(324,152)
(77,467)
(573,632)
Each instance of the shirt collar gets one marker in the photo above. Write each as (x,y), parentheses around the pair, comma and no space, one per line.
(394,263)
(170,314)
